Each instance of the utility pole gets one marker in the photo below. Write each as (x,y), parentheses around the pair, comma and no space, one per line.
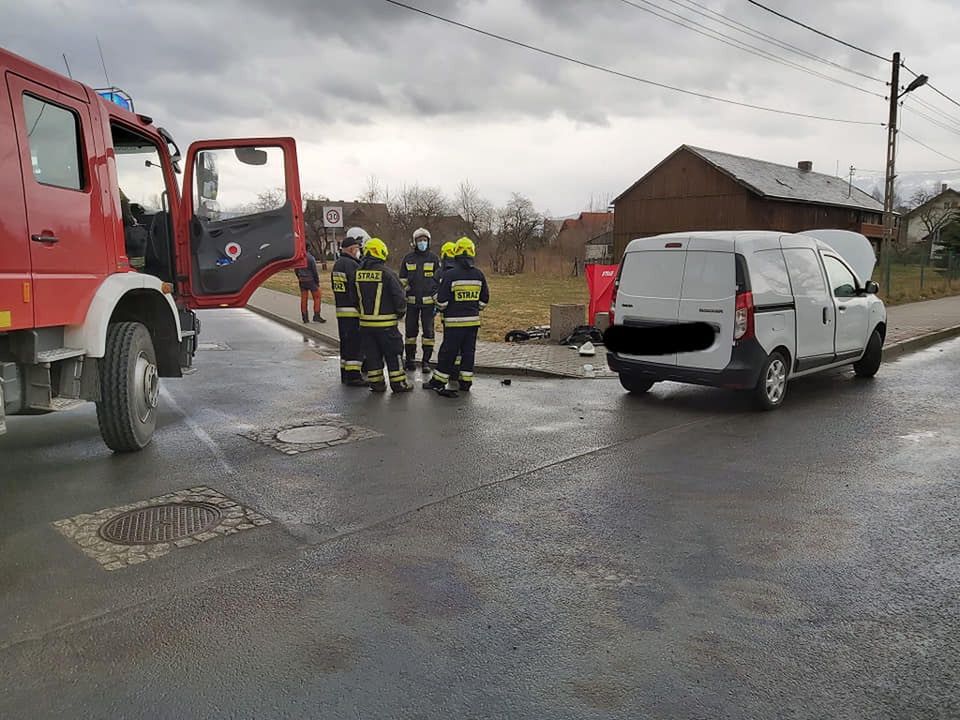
(895,95)
(850,181)
(890,172)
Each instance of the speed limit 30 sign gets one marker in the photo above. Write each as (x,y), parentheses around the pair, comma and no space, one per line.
(333,217)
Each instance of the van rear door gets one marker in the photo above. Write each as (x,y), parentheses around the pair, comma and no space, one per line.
(649,290)
(242,219)
(709,296)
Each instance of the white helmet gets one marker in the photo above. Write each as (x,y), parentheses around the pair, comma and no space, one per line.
(420,233)
(359,233)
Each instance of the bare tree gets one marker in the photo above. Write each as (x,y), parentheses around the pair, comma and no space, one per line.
(520,227)
(474,208)
(374,191)
(270,199)
(415,206)
(599,202)
(934,216)
(550,230)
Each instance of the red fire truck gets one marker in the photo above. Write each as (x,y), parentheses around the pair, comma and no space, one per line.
(104,259)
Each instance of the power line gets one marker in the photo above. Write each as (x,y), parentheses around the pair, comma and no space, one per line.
(765,37)
(943,95)
(938,92)
(945,117)
(933,121)
(611,71)
(818,32)
(738,44)
(933,150)
(911,172)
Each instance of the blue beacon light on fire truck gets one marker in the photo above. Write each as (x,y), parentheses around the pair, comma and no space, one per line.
(116,96)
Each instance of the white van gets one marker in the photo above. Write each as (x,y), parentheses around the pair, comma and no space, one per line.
(781,306)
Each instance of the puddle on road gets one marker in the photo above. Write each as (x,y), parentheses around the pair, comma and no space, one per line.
(920,436)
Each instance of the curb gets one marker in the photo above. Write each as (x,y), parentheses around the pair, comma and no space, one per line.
(896,350)
(311,330)
(304,328)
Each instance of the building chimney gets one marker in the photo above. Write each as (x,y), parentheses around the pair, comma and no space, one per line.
(943,187)
(805,165)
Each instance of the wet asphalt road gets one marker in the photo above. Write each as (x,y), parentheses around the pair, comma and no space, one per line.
(552,549)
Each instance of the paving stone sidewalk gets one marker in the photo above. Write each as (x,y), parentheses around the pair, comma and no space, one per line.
(909,327)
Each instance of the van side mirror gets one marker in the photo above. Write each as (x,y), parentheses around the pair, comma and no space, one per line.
(871,288)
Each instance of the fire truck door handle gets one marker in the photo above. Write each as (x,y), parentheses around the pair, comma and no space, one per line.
(48,239)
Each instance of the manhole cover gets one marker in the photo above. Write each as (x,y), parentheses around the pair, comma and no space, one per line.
(312,434)
(160,523)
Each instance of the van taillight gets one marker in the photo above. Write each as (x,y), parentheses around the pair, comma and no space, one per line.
(743,317)
(613,299)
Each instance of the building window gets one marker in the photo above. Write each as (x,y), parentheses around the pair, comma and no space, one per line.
(53,134)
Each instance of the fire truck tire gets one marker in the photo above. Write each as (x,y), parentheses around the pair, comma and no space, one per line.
(130,388)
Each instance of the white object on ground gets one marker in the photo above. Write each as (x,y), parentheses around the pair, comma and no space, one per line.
(587,349)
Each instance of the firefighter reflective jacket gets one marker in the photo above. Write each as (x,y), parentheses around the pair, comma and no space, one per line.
(344,277)
(379,294)
(420,275)
(463,294)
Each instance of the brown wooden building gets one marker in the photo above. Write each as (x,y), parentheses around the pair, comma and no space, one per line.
(696,189)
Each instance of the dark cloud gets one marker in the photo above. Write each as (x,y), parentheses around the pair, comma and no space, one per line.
(319,66)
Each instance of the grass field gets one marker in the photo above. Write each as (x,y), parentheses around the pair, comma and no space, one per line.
(517,301)
(905,284)
(520,301)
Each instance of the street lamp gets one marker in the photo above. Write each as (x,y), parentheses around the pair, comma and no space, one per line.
(918,81)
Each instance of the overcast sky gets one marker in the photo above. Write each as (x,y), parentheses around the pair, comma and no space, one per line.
(369,88)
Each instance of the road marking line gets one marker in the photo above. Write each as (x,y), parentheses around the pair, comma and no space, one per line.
(201,434)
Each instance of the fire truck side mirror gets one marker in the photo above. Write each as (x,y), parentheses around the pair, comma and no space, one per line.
(207,180)
(251,156)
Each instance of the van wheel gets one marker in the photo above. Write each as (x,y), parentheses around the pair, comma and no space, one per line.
(869,364)
(772,386)
(129,388)
(635,385)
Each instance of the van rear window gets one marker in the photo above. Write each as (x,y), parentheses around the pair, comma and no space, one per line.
(709,276)
(652,274)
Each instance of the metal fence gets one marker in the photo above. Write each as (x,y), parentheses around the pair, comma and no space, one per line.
(915,278)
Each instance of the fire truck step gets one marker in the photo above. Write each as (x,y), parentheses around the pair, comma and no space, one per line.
(61,404)
(58,354)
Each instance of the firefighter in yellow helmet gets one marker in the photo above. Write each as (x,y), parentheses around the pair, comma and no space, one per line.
(382,306)
(446,263)
(463,294)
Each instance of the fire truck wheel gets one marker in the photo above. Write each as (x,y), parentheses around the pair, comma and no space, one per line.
(129,388)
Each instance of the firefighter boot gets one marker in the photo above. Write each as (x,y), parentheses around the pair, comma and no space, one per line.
(433,384)
(306,318)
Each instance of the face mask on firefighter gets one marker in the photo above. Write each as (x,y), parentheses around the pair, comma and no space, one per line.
(422,245)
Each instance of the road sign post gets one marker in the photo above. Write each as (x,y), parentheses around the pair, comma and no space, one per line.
(332,219)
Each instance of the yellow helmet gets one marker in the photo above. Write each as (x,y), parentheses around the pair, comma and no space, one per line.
(447,249)
(465,246)
(377,248)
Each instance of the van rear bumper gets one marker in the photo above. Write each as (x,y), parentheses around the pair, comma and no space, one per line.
(741,373)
